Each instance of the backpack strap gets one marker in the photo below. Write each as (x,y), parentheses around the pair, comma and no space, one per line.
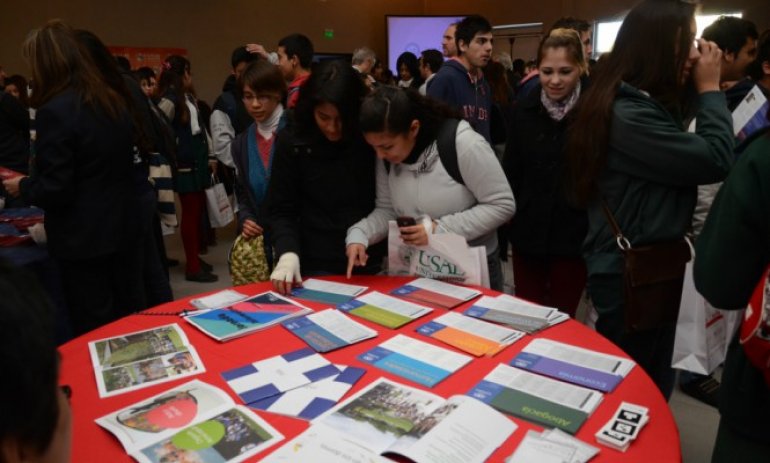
(447,149)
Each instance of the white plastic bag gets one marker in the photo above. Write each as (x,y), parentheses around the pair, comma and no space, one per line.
(218,204)
(447,257)
(703,333)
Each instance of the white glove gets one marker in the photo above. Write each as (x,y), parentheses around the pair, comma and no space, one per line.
(286,273)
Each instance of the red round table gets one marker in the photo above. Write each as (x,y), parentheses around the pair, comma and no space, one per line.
(657,442)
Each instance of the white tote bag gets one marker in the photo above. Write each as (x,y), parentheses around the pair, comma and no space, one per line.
(218,204)
(703,333)
(446,257)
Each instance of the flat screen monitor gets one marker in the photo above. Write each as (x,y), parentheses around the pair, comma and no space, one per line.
(415,34)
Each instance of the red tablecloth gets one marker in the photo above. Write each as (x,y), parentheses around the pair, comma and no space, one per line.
(658,441)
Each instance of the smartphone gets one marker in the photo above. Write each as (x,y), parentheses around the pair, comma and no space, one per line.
(405,221)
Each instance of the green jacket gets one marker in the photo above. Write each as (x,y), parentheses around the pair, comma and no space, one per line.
(653,169)
(732,252)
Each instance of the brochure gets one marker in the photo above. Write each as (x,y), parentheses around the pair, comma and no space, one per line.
(328,292)
(244,317)
(390,418)
(267,378)
(219,299)
(384,310)
(192,422)
(321,445)
(516,313)
(576,365)
(311,400)
(415,360)
(536,398)
(328,330)
(470,335)
(751,115)
(439,293)
(142,358)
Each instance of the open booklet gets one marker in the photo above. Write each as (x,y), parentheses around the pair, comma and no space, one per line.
(143,358)
(389,418)
(193,422)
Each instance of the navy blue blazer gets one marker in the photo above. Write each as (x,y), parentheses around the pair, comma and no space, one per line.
(82,177)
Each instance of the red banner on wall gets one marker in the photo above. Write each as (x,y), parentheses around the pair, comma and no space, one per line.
(146,56)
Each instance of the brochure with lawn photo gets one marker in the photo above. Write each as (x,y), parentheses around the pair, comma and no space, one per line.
(142,358)
(193,422)
(390,418)
(388,311)
(249,315)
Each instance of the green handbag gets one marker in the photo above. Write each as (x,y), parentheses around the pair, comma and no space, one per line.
(247,260)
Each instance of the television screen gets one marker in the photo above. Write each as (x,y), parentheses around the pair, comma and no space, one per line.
(415,34)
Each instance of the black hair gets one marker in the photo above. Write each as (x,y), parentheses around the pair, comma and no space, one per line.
(144,73)
(262,76)
(300,46)
(410,60)
(433,59)
(334,82)
(518,66)
(650,51)
(568,22)
(123,63)
(29,411)
(469,27)
(730,33)
(763,56)
(171,80)
(392,110)
(111,73)
(21,84)
(241,55)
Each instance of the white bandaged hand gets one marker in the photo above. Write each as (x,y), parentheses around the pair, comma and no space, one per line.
(286,273)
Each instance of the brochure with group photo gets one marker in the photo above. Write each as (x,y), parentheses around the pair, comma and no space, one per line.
(194,422)
(143,358)
(390,418)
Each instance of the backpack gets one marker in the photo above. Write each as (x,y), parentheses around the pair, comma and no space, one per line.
(447,150)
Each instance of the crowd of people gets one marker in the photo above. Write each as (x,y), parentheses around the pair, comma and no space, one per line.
(569,160)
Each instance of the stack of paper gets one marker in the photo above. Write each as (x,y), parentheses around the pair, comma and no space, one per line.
(438,293)
(143,358)
(384,310)
(470,335)
(328,292)
(267,378)
(573,364)
(516,313)
(537,398)
(552,446)
(624,426)
(192,422)
(311,400)
(219,299)
(418,361)
(328,329)
(247,316)
(387,418)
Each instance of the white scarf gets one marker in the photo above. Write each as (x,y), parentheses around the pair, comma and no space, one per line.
(194,125)
(268,127)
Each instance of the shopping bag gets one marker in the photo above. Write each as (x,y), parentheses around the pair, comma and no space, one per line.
(218,204)
(247,261)
(446,257)
(703,333)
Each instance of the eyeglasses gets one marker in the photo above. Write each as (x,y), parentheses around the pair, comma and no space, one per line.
(261,98)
